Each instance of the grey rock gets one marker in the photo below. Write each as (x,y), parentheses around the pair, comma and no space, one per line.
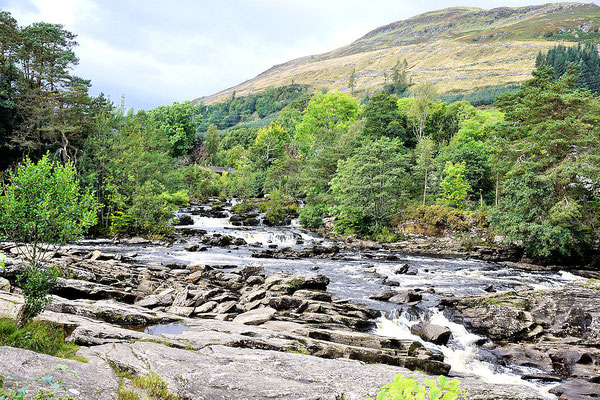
(92,380)
(406,296)
(255,317)
(433,333)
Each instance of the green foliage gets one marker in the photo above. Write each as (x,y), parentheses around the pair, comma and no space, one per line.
(311,216)
(178,124)
(409,389)
(326,117)
(546,151)
(43,204)
(586,58)
(55,389)
(201,182)
(155,387)
(368,185)
(39,336)
(454,187)
(238,110)
(480,97)
(128,160)
(383,118)
(280,208)
(36,283)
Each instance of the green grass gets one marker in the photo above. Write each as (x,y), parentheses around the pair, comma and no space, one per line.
(38,336)
(125,394)
(154,386)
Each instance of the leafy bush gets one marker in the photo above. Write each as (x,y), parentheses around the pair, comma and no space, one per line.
(434,219)
(311,216)
(280,208)
(409,389)
(43,207)
(35,284)
(201,182)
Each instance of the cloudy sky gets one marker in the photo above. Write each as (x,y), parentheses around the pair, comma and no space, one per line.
(156,52)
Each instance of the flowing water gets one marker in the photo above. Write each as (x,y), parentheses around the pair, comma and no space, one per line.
(357,275)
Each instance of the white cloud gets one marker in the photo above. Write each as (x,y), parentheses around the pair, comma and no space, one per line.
(157,52)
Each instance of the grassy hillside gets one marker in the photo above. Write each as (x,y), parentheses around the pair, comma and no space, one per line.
(457,49)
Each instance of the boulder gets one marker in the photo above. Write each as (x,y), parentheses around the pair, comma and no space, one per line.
(156,300)
(4,284)
(432,333)
(406,296)
(185,219)
(383,295)
(255,317)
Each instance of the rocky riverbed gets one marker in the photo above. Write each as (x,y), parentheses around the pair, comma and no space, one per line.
(236,310)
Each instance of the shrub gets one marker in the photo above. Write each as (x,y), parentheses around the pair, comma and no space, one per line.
(311,216)
(201,182)
(280,208)
(35,284)
(409,389)
(43,207)
(434,219)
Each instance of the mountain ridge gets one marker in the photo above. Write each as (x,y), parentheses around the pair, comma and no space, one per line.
(456,48)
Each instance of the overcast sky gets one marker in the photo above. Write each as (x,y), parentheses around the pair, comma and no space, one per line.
(157,52)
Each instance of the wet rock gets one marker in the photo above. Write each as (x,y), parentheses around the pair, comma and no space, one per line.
(185,219)
(383,295)
(576,389)
(255,317)
(406,296)
(255,280)
(192,247)
(432,333)
(251,269)
(319,295)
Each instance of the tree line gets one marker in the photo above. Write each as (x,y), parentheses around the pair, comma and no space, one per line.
(527,169)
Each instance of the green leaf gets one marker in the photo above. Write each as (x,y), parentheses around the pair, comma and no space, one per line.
(435,394)
(48,379)
(430,383)
(443,381)
(450,396)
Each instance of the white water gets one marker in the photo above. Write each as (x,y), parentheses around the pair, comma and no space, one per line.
(461,352)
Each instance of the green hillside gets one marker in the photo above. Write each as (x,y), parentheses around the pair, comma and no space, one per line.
(457,49)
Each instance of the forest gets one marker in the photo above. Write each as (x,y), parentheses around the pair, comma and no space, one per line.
(525,171)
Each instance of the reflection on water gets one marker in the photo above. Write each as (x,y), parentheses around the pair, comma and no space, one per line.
(172,328)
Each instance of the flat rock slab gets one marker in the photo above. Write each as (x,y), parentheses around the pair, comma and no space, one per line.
(94,380)
(255,317)
(223,373)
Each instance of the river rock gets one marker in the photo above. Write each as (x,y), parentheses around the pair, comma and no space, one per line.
(255,317)
(220,372)
(156,300)
(406,296)
(577,389)
(91,380)
(433,333)
(185,219)
(383,295)
(252,269)
(4,284)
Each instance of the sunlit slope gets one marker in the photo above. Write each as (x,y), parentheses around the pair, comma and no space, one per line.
(457,49)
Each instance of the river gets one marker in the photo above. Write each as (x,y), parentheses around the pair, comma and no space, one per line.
(357,275)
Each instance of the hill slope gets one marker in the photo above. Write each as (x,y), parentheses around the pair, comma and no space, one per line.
(457,49)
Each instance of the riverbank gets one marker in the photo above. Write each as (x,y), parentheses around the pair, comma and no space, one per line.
(213,332)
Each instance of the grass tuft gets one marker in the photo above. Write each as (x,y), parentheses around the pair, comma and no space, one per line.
(39,336)
(154,386)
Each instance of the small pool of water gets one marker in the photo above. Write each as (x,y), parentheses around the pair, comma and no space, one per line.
(171,328)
